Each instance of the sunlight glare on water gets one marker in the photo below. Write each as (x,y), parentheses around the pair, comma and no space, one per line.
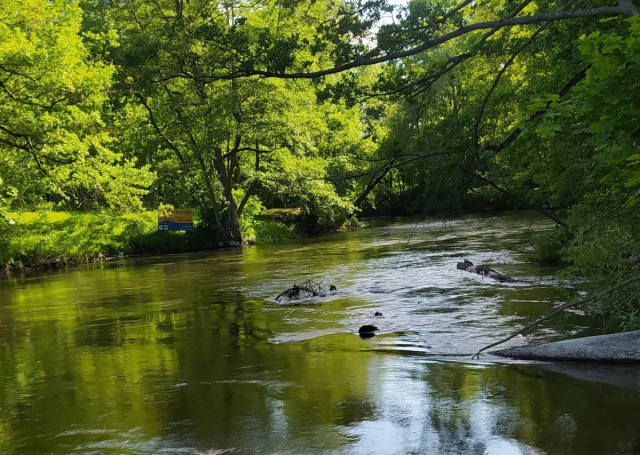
(407,271)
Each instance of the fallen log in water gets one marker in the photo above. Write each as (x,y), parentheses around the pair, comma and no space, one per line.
(618,347)
(483,270)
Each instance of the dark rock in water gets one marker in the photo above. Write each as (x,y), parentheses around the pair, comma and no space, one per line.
(368,328)
(378,314)
(367,331)
(464,265)
(333,288)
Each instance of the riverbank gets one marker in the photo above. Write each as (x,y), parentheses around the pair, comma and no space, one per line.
(47,239)
(50,240)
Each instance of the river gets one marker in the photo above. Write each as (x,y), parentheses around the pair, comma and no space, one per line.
(192,354)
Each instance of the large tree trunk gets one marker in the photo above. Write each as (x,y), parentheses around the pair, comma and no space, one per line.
(230,220)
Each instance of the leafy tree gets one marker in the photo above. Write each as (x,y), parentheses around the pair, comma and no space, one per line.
(601,116)
(229,140)
(53,141)
(496,104)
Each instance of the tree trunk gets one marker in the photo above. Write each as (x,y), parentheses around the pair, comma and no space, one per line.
(372,184)
(231,223)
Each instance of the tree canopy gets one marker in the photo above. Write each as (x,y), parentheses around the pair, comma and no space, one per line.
(53,140)
(330,108)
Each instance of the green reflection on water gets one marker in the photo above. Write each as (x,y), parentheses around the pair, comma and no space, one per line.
(190,354)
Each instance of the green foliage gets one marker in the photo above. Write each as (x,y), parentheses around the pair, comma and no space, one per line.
(271,231)
(606,106)
(53,141)
(262,226)
(7,193)
(550,246)
(302,185)
(593,155)
(47,238)
(7,232)
(604,233)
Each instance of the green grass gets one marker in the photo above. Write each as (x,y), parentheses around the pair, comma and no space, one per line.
(47,238)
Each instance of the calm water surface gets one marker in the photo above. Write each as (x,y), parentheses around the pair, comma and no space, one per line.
(191,354)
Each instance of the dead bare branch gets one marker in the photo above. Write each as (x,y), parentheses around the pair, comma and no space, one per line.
(306,289)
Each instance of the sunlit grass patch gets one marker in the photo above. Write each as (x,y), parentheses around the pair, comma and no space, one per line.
(47,237)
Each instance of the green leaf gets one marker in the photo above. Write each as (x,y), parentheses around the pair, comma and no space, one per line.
(547,129)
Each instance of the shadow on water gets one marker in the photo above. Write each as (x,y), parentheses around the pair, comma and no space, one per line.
(191,354)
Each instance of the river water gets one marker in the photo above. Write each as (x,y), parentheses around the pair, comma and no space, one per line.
(192,354)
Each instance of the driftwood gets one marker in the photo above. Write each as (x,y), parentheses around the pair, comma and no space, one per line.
(483,270)
(307,289)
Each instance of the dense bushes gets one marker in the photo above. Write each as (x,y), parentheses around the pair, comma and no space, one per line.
(49,239)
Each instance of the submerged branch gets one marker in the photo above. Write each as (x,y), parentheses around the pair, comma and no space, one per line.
(307,289)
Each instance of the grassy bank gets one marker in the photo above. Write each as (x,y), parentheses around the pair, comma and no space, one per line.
(46,238)
(50,239)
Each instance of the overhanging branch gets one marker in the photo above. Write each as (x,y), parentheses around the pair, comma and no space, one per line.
(622,10)
(425,83)
(540,112)
(496,80)
(549,215)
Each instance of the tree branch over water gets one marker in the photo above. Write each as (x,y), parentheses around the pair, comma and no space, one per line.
(623,9)
(423,84)
(496,80)
(551,216)
(582,74)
